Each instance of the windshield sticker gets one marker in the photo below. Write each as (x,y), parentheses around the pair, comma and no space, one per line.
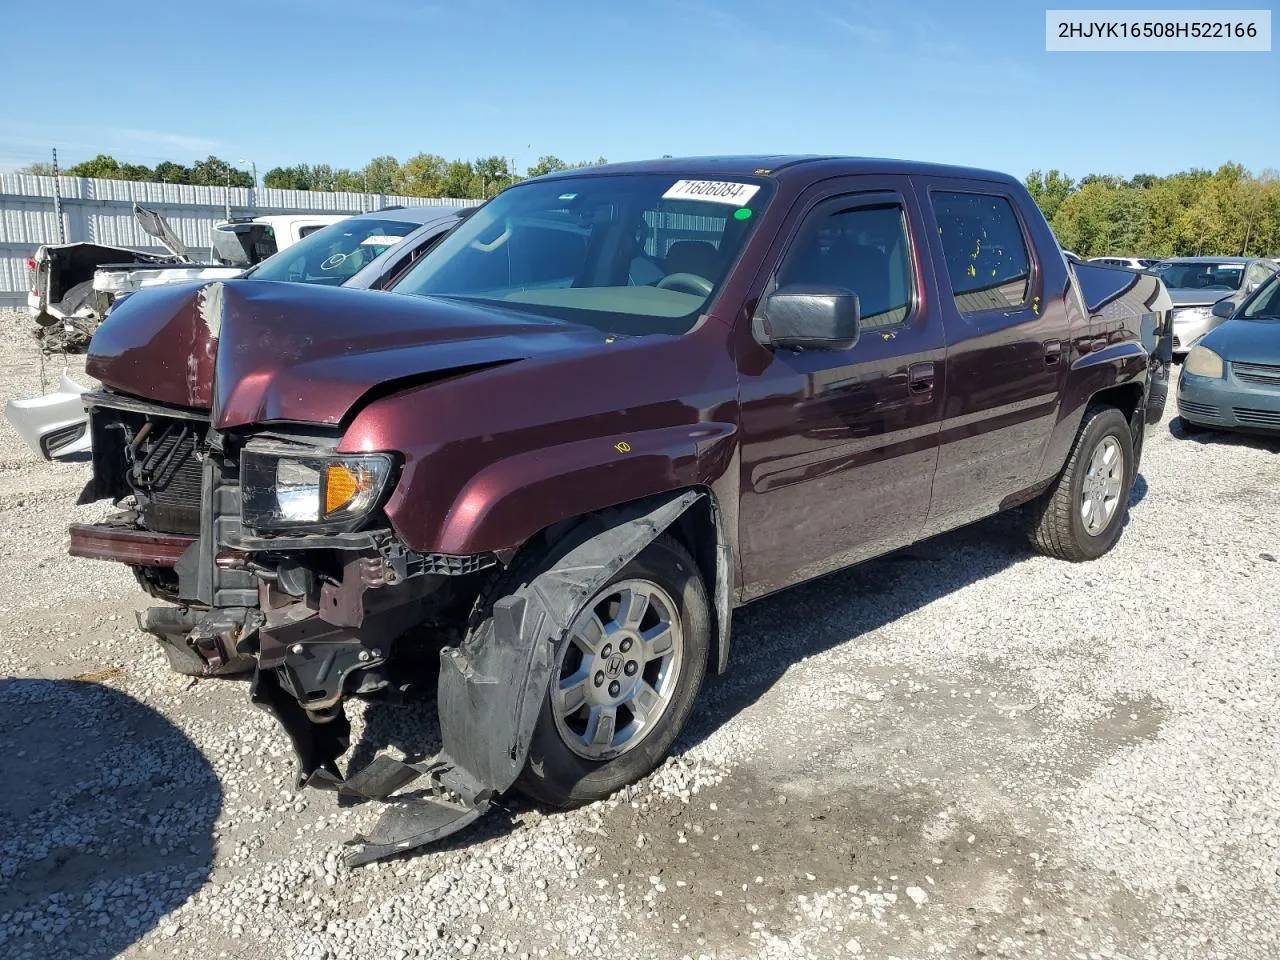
(743,214)
(714,191)
(380,241)
(566,196)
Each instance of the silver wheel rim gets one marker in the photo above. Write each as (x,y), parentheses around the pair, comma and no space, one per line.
(1103,485)
(619,669)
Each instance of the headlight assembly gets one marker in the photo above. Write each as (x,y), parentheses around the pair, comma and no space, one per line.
(1203,362)
(281,489)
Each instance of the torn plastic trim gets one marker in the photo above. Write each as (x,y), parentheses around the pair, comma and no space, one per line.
(491,687)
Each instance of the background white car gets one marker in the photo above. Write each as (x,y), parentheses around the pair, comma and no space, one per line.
(1132,263)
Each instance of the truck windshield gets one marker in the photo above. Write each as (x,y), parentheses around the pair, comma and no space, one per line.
(334,254)
(631,254)
(1202,276)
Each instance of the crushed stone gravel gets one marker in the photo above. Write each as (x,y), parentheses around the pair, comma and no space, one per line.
(961,750)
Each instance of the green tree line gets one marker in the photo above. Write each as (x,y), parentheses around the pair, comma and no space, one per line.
(210,172)
(1196,212)
(1227,212)
(423,175)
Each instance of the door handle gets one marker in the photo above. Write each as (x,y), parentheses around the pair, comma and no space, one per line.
(920,378)
(1052,352)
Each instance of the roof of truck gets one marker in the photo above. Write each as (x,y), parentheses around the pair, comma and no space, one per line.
(782,166)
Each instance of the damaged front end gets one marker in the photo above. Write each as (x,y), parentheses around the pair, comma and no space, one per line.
(272,557)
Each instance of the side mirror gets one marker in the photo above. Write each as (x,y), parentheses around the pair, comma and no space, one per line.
(809,315)
(1223,309)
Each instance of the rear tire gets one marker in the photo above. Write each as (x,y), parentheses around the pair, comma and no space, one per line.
(1082,513)
(567,765)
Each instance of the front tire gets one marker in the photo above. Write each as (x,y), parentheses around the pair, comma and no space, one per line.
(1081,515)
(627,680)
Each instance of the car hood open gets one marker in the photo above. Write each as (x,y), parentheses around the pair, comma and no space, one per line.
(254,351)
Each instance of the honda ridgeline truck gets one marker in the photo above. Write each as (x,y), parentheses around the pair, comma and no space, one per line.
(606,410)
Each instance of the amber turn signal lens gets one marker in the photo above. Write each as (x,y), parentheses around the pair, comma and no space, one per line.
(343,484)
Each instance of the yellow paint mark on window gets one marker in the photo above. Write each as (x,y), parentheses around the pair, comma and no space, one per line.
(622,446)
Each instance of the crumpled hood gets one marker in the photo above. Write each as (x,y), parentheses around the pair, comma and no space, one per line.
(254,351)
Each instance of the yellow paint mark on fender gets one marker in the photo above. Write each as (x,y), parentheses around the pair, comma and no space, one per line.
(622,446)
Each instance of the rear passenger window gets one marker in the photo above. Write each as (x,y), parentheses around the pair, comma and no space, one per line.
(863,249)
(985,251)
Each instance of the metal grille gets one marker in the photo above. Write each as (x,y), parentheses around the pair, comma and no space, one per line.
(1258,418)
(1257,373)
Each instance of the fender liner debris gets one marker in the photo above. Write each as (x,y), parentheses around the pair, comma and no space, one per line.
(491,688)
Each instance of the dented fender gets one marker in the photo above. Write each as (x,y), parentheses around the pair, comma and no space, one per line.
(504,503)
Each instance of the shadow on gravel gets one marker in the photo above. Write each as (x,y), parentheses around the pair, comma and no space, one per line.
(1209,437)
(106,819)
(1138,492)
(774,632)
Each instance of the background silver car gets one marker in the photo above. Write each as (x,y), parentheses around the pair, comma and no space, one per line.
(1197,283)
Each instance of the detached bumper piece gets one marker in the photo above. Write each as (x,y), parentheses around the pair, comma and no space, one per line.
(452,802)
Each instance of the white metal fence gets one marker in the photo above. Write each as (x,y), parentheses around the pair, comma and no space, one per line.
(101,211)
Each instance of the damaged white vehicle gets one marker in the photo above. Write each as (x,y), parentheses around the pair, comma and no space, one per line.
(74,285)
(363,251)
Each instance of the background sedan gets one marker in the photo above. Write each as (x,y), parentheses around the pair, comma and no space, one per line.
(1231,377)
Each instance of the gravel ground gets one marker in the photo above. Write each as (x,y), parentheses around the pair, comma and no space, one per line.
(961,750)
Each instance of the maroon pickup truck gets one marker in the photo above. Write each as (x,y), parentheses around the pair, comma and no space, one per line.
(606,410)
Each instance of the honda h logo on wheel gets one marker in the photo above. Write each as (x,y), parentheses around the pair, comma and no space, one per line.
(614,666)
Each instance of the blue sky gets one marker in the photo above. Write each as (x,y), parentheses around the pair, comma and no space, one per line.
(341,81)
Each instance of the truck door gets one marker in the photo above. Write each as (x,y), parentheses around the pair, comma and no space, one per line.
(839,447)
(1006,348)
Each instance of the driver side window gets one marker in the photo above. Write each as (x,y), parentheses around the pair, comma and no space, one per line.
(864,249)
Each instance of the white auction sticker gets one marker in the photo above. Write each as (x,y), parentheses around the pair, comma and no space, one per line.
(380,241)
(714,191)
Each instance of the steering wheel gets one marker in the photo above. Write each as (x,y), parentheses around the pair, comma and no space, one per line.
(687,282)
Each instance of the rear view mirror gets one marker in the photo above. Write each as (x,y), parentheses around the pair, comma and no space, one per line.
(809,315)
(1223,309)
